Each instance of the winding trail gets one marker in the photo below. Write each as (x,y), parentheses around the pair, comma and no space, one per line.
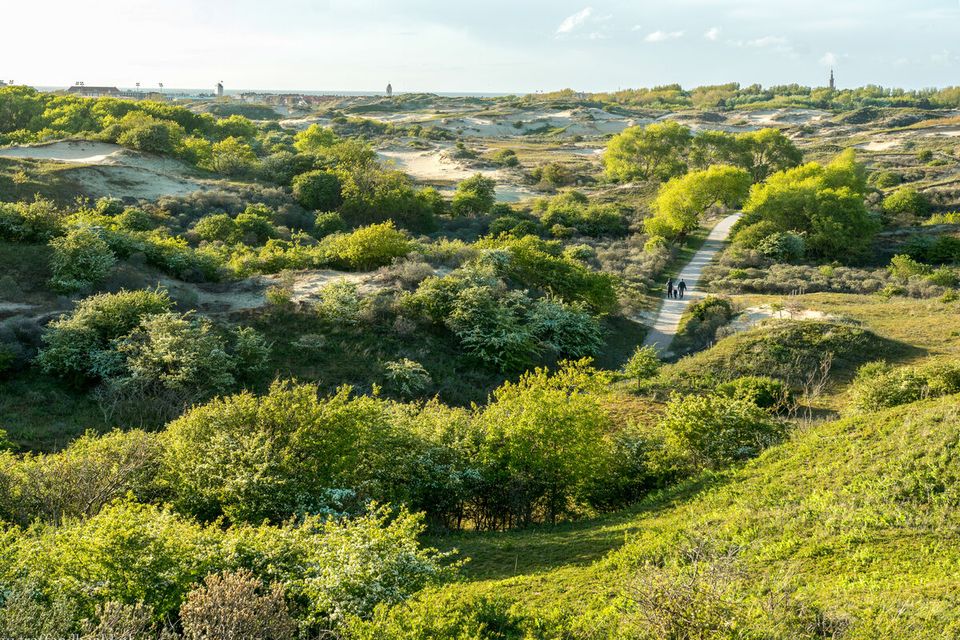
(668,319)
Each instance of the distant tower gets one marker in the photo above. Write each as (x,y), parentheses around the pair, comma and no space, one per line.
(833,85)
(389,90)
(220,89)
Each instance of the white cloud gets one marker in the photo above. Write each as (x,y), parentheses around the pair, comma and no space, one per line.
(663,36)
(713,33)
(829,59)
(636,27)
(570,23)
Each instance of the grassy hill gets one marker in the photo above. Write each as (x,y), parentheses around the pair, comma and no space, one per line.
(848,530)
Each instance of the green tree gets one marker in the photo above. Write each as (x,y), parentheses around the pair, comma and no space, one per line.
(656,151)
(642,365)
(825,203)
(681,201)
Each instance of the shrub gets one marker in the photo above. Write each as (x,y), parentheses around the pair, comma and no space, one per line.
(328,223)
(219,227)
(783,247)
(766,393)
(36,221)
(80,260)
(170,362)
(886,179)
(562,409)
(572,209)
(906,200)
(233,606)
(407,378)
(254,458)
(878,385)
(75,344)
(367,247)
(474,196)
(567,330)
(505,158)
(713,431)
(903,267)
(318,190)
(232,157)
(340,302)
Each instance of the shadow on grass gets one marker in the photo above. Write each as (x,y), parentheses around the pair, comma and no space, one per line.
(504,554)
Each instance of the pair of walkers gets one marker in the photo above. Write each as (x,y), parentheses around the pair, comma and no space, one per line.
(676,291)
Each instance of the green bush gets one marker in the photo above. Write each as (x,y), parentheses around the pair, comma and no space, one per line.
(407,378)
(878,385)
(76,344)
(367,247)
(328,223)
(573,209)
(318,190)
(766,393)
(711,431)
(80,260)
(36,221)
(475,195)
(253,458)
(906,200)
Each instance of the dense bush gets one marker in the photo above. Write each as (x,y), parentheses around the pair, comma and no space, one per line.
(656,151)
(80,260)
(318,190)
(77,343)
(712,431)
(766,393)
(573,209)
(36,221)
(879,385)
(367,247)
(906,200)
(473,196)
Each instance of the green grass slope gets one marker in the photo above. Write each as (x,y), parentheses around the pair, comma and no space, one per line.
(848,530)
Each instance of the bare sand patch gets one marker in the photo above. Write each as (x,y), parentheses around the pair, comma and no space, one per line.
(753,316)
(66,151)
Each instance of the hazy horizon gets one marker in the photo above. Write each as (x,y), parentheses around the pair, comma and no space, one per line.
(496,48)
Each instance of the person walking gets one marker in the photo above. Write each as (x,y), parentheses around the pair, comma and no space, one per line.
(669,287)
(681,287)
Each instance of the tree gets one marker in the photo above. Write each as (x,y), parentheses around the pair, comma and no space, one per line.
(80,259)
(767,151)
(681,201)
(825,203)
(318,190)
(656,151)
(642,365)
(473,196)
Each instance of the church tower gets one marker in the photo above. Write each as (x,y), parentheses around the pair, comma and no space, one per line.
(833,85)
(389,90)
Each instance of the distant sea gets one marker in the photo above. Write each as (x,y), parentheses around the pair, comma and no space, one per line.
(206,93)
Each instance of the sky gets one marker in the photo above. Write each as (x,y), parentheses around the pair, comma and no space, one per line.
(493,46)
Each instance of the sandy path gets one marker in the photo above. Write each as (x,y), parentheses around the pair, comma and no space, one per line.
(668,319)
